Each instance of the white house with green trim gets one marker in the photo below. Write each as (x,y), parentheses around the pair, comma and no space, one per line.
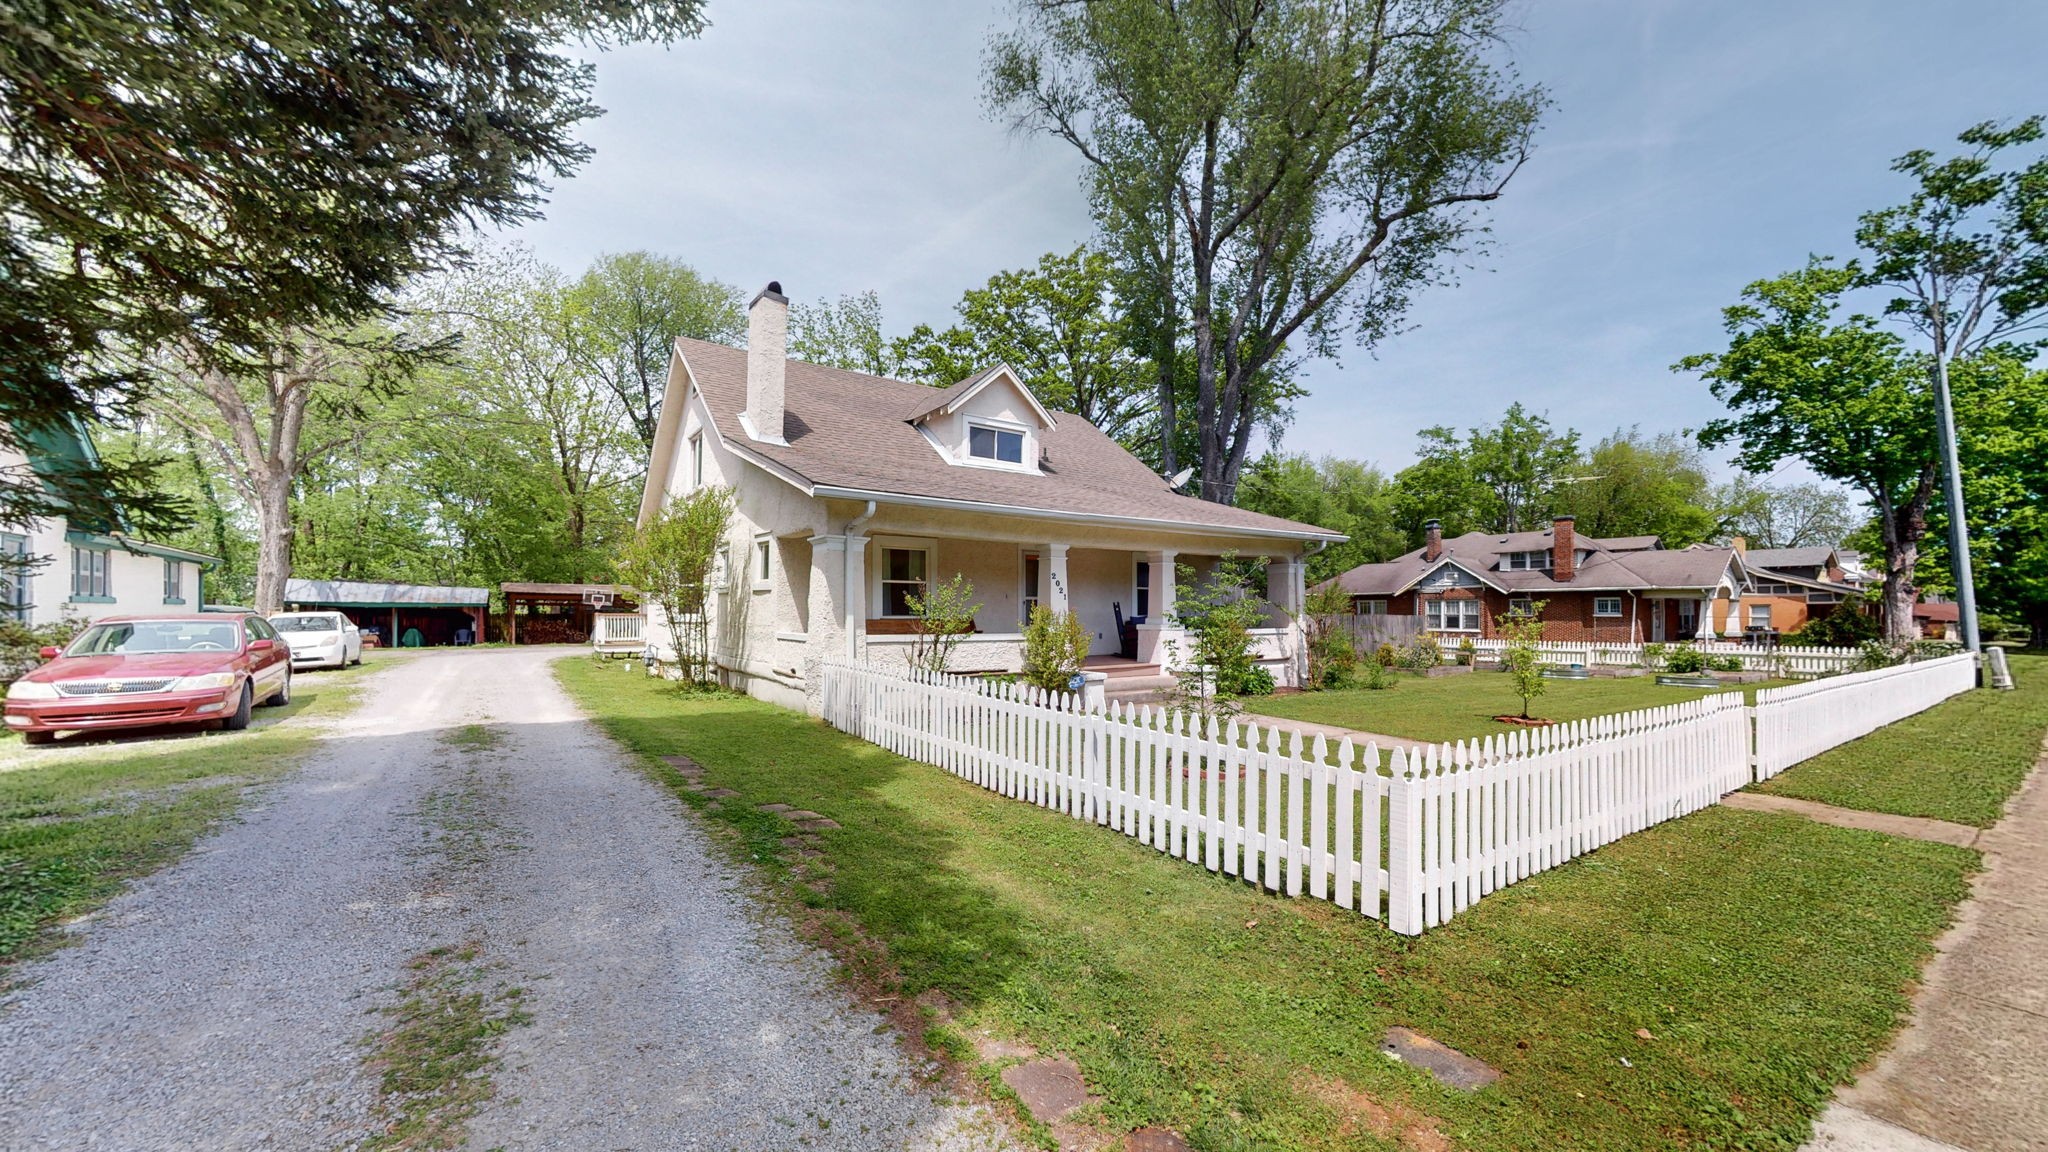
(58,569)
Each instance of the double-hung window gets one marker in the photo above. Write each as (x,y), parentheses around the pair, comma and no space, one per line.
(89,574)
(1369,607)
(1759,617)
(764,562)
(1521,606)
(1536,561)
(992,442)
(1606,605)
(1452,615)
(174,582)
(903,576)
(1141,592)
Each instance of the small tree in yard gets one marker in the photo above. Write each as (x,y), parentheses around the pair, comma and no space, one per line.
(1055,644)
(944,615)
(1521,659)
(1219,614)
(670,562)
(1332,657)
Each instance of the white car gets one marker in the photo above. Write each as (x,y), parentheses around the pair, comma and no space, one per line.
(320,639)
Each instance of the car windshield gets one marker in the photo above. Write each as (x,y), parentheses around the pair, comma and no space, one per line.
(323,622)
(139,637)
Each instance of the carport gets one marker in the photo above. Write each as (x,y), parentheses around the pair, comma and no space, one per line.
(398,615)
(560,613)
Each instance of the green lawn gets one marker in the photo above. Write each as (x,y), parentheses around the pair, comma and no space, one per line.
(1462,707)
(1957,761)
(1766,956)
(82,817)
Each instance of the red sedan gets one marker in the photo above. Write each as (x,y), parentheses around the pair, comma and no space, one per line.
(142,671)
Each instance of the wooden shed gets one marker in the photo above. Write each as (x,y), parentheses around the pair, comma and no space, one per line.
(398,615)
(560,613)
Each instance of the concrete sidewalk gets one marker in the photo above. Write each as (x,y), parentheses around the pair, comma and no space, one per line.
(1970,1071)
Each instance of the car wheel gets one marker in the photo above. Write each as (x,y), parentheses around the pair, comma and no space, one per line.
(240,719)
(283,695)
(34,737)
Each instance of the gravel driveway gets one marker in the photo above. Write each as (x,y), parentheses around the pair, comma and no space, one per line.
(224,1002)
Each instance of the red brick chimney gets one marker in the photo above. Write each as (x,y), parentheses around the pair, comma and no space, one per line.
(1432,540)
(1564,548)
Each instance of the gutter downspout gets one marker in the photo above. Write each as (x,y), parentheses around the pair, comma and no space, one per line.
(854,596)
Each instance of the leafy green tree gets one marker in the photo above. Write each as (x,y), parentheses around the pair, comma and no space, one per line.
(1503,477)
(1520,658)
(224,177)
(1284,174)
(846,334)
(670,560)
(625,313)
(1631,484)
(1805,515)
(1061,326)
(1348,496)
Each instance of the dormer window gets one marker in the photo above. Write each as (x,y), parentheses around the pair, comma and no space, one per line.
(1536,561)
(990,442)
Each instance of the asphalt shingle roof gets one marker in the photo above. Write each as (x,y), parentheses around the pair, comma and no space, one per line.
(1602,571)
(851,430)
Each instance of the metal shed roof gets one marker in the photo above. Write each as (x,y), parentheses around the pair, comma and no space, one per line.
(369,594)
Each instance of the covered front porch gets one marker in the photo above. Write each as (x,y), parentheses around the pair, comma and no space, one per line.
(1679,615)
(1124,598)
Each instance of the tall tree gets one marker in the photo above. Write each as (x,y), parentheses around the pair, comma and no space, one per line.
(1631,484)
(625,314)
(843,334)
(1061,326)
(1294,169)
(1501,477)
(225,176)
(1348,496)
(1965,264)
(1805,515)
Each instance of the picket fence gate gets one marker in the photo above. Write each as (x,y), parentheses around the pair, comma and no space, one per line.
(1412,837)
(1801,721)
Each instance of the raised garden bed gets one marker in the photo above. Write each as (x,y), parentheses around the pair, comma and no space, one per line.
(1568,672)
(1445,670)
(1688,680)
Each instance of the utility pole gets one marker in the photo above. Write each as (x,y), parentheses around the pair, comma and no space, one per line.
(1952,485)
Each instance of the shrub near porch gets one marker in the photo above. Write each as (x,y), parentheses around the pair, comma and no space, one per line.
(1763,955)
(1463,707)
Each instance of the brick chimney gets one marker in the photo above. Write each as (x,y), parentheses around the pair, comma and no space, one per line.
(767,352)
(1564,548)
(1741,544)
(1432,540)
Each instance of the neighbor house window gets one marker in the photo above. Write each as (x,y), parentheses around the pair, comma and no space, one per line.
(89,574)
(1369,607)
(1606,605)
(13,577)
(1525,561)
(697,460)
(174,582)
(1521,606)
(1003,445)
(1759,617)
(1452,615)
(903,571)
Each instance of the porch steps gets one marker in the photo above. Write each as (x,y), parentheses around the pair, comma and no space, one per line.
(1133,683)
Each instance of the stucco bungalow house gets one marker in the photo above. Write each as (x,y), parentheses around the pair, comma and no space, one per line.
(56,568)
(855,491)
(1623,590)
(1790,586)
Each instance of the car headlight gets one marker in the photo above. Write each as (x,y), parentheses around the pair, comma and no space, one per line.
(202,683)
(31,690)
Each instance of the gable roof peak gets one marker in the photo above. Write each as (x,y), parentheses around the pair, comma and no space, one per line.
(950,399)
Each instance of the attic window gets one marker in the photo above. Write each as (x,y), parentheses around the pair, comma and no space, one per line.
(988,442)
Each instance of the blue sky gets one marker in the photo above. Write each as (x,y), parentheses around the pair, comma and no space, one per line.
(1692,147)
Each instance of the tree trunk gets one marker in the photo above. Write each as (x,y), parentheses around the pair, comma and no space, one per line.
(1902,525)
(274,530)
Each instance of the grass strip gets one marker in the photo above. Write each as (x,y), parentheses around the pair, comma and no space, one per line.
(80,819)
(1704,984)
(1959,761)
(435,1060)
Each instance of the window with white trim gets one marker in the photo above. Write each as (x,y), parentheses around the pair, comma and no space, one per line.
(1759,617)
(1521,606)
(994,442)
(697,461)
(1536,561)
(89,574)
(174,582)
(764,563)
(1369,607)
(1606,605)
(1141,590)
(1452,615)
(902,576)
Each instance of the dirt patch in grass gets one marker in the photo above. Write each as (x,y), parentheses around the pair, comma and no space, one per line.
(434,1061)
(1361,1115)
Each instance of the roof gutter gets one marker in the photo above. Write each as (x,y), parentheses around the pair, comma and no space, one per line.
(872,496)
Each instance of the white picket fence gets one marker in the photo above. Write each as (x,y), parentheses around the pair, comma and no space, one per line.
(1438,829)
(1784,660)
(1801,721)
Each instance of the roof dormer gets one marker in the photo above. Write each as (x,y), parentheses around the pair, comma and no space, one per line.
(989,420)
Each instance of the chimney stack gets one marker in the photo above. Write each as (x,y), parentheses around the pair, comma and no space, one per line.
(1564,548)
(767,352)
(1432,540)
(1741,544)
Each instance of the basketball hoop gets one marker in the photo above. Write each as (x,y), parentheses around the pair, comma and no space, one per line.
(597,598)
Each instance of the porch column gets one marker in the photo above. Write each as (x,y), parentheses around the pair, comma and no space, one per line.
(1163,585)
(1052,578)
(1706,618)
(826,612)
(1738,628)
(854,599)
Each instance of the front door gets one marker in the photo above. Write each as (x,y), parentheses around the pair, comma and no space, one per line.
(1657,610)
(1688,619)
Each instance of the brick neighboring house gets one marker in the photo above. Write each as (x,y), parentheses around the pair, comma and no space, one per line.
(1789,586)
(1622,590)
